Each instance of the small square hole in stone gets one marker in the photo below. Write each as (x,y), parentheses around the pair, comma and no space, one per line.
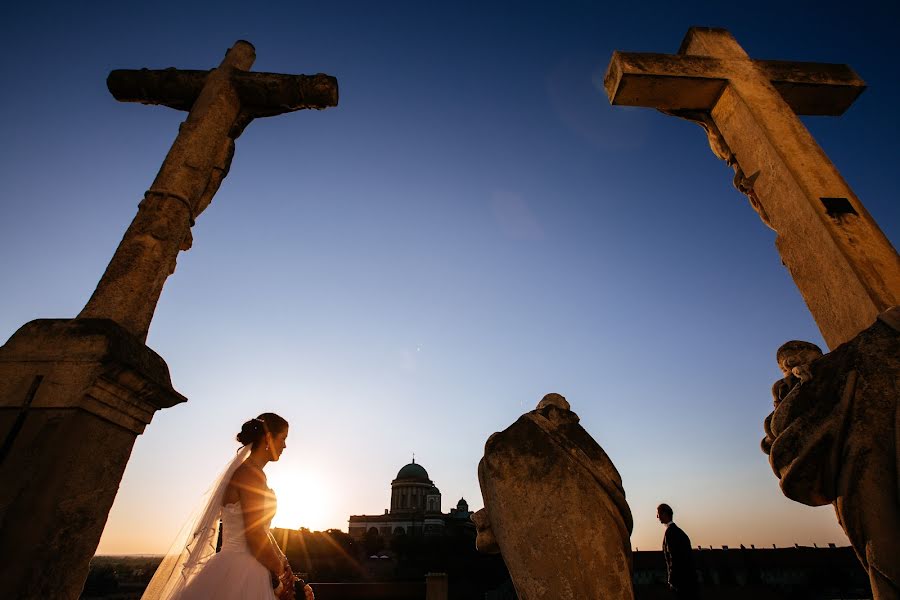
(838,207)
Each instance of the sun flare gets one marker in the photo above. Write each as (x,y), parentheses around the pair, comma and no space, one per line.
(304,496)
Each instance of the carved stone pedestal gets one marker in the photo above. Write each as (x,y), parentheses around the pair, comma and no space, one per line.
(74,395)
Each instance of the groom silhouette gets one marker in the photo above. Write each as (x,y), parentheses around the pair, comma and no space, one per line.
(682,579)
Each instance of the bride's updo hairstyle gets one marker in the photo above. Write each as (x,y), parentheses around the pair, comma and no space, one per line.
(254,431)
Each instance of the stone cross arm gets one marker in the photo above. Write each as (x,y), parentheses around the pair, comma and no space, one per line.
(220,102)
(844,266)
(260,94)
(687,82)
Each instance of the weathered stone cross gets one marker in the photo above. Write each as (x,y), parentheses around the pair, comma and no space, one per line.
(75,393)
(844,266)
(222,102)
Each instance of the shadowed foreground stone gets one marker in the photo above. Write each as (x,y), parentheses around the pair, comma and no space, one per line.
(834,438)
(74,394)
(555,508)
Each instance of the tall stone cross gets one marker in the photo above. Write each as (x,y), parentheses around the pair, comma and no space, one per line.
(221,103)
(844,266)
(75,393)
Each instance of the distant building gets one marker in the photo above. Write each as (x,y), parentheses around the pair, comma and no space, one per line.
(415,510)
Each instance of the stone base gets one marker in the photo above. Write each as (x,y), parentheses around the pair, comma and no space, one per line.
(74,395)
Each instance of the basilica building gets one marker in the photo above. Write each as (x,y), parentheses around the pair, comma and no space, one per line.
(415,510)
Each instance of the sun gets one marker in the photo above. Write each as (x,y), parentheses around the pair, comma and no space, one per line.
(303,497)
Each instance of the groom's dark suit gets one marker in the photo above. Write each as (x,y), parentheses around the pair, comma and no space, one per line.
(679,562)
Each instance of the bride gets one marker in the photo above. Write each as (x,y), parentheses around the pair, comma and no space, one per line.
(250,560)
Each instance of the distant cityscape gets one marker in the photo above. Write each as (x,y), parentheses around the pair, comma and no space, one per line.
(796,573)
(389,555)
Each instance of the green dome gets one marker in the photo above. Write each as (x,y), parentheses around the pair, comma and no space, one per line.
(413,471)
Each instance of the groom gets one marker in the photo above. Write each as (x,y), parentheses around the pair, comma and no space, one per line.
(682,578)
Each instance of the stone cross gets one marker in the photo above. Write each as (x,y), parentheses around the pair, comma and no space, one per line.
(221,103)
(844,266)
(75,393)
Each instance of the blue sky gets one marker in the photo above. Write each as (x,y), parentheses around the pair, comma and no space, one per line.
(471,228)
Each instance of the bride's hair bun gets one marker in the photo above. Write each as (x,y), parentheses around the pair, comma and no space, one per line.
(255,430)
(251,432)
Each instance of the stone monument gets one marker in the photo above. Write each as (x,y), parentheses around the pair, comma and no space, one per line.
(844,266)
(75,393)
(833,436)
(555,508)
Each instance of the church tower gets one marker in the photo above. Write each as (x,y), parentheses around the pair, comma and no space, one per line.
(412,490)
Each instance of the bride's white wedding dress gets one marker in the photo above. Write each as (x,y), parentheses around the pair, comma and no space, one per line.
(233,573)
(192,570)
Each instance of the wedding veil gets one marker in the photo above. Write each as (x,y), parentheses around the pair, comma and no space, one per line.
(196,542)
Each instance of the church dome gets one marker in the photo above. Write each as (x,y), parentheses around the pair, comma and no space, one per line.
(413,471)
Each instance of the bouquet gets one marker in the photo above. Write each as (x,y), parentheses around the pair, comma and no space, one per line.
(287,587)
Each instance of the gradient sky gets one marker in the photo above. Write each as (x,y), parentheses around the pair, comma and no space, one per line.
(473,227)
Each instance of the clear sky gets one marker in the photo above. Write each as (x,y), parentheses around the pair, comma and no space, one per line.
(473,227)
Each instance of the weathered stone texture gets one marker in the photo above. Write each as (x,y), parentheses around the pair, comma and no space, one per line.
(260,94)
(194,168)
(74,395)
(555,508)
(844,266)
(222,102)
(834,438)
